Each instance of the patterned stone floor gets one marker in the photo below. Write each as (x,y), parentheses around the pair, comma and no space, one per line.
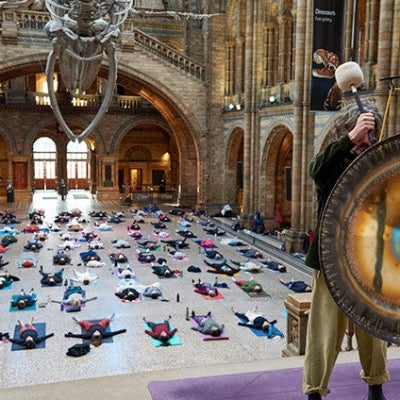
(132,352)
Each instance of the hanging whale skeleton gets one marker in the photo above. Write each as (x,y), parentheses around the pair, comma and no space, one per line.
(81,32)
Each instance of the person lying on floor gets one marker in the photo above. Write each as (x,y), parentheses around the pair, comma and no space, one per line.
(206,289)
(134,226)
(176,244)
(148,244)
(26,260)
(104,226)
(162,270)
(96,244)
(33,245)
(248,266)
(176,255)
(115,219)
(250,286)
(160,330)
(67,236)
(89,255)
(164,218)
(207,325)
(61,258)
(296,286)
(126,290)
(214,231)
(94,331)
(8,239)
(145,256)
(120,243)
(254,319)
(28,336)
(159,225)
(213,254)
(125,272)
(185,233)
(98,214)
(232,242)
(40,235)
(68,245)
(74,301)
(88,236)
(224,268)
(274,266)
(83,278)
(250,253)
(51,278)
(24,300)
(95,264)
(6,280)
(118,258)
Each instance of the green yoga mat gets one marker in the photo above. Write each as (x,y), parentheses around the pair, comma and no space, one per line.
(174,341)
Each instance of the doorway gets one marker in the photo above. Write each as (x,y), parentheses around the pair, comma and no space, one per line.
(78,171)
(136,178)
(44,164)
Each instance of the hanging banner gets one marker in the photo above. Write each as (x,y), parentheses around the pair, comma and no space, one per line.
(327,53)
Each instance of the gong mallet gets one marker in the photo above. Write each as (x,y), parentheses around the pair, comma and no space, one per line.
(349,76)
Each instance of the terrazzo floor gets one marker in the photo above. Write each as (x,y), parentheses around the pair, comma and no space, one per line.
(133,351)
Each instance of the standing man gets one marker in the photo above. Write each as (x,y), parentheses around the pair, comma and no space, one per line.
(327,324)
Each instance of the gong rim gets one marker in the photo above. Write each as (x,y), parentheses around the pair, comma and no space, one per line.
(356,235)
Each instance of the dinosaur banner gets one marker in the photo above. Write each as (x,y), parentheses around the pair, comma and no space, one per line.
(327,53)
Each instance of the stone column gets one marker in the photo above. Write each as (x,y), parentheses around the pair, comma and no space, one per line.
(298,307)
(107,188)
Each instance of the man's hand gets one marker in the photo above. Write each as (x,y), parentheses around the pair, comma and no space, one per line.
(359,135)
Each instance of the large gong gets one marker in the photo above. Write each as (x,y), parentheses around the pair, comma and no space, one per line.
(360,241)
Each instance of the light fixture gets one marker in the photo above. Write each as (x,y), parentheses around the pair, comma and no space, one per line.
(238,107)
(272,99)
(231,106)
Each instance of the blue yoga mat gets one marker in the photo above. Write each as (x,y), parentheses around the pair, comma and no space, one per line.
(41,329)
(14,297)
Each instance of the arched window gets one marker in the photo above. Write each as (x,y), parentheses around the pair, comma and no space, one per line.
(78,165)
(44,160)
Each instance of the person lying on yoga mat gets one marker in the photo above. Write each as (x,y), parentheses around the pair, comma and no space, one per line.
(61,258)
(213,254)
(160,330)
(207,325)
(51,279)
(24,300)
(250,253)
(28,335)
(118,258)
(254,319)
(74,301)
(224,269)
(206,289)
(7,279)
(33,245)
(274,265)
(214,231)
(89,255)
(127,293)
(146,257)
(176,244)
(148,244)
(185,233)
(296,286)
(162,270)
(125,273)
(84,278)
(94,331)
(248,266)
(250,286)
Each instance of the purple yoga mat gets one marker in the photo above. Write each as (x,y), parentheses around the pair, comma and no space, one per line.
(285,384)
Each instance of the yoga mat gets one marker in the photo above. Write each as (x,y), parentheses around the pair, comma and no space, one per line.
(281,384)
(41,329)
(174,341)
(161,237)
(7,287)
(205,337)
(14,297)
(108,329)
(258,332)
(256,295)
(219,296)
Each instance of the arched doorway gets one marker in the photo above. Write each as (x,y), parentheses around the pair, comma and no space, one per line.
(78,165)
(234,172)
(44,164)
(276,177)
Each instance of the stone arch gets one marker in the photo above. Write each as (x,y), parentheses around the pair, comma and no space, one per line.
(275,177)
(34,131)
(138,153)
(5,131)
(234,167)
(180,119)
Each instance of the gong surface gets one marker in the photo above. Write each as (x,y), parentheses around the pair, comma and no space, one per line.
(360,241)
